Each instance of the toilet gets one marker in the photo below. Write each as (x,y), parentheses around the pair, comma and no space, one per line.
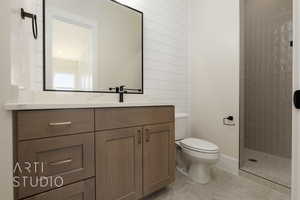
(200,154)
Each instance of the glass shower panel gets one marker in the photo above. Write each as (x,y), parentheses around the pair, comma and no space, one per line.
(267,89)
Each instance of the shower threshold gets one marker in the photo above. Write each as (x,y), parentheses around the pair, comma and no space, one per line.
(273,168)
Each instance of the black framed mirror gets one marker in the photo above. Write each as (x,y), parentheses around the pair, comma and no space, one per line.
(92,46)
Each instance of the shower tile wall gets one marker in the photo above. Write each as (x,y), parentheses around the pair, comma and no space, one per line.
(268,76)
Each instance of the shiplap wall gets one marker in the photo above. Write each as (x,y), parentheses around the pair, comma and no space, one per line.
(165,56)
(268,76)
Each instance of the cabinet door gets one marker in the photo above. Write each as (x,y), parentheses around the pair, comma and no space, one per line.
(119,164)
(158,157)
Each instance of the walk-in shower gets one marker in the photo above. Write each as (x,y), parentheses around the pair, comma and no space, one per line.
(266,89)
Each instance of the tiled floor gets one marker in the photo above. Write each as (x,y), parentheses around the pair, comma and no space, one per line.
(224,186)
(274,168)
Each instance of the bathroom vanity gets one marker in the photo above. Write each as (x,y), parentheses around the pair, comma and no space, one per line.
(92,152)
(104,153)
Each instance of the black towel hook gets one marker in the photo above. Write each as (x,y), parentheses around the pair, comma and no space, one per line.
(33,22)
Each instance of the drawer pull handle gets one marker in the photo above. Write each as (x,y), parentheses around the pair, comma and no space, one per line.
(60,124)
(60,162)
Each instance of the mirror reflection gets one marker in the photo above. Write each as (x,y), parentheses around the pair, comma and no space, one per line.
(92,46)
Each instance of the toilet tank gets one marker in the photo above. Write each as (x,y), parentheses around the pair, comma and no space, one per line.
(181,126)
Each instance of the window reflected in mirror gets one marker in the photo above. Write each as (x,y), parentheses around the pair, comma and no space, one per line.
(73,55)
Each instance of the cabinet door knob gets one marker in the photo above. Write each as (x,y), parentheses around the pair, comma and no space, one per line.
(139,136)
(148,137)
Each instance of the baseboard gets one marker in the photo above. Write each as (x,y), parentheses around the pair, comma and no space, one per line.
(228,164)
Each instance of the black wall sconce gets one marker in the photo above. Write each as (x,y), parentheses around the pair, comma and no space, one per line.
(33,17)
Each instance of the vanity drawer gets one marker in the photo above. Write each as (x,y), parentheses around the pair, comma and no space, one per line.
(49,123)
(110,118)
(84,190)
(69,157)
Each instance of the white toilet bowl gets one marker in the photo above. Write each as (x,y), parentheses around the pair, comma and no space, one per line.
(202,155)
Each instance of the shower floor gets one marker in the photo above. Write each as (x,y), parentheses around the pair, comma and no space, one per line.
(274,168)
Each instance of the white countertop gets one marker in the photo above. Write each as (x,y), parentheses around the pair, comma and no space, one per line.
(44,106)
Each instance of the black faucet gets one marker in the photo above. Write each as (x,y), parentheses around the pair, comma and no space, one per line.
(121,90)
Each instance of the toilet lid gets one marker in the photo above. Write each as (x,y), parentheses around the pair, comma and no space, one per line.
(199,145)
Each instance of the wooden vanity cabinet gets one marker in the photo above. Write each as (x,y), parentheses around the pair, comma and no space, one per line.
(102,153)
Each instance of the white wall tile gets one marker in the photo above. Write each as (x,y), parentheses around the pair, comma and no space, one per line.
(165,56)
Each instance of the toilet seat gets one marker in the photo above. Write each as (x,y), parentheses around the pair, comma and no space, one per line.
(199,145)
